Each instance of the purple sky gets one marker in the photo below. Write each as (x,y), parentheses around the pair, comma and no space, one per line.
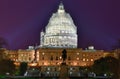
(98,21)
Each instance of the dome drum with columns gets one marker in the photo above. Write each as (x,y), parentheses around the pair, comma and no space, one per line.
(60,31)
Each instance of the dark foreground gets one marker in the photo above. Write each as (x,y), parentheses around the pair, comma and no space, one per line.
(37,77)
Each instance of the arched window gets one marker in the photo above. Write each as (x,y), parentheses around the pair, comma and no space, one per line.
(42,58)
(69,58)
(51,58)
(57,58)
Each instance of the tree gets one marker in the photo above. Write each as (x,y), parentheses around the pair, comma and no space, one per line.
(116,50)
(23,68)
(2,42)
(108,65)
(6,66)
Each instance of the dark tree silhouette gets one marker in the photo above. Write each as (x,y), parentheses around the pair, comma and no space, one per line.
(23,68)
(116,49)
(106,65)
(64,55)
(6,66)
(2,42)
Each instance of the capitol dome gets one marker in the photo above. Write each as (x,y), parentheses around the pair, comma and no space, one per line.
(60,22)
(60,31)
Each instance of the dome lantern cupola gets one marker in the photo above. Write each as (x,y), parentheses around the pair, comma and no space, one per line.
(61,8)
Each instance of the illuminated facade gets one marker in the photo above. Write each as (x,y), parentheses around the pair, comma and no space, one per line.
(53,56)
(60,31)
(75,57)
(26,55)
(60,34)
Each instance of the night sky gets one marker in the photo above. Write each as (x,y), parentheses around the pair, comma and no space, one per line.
(98,21)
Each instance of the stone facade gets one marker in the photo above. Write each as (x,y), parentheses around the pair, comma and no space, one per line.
(53,56)
(75,57)
(26,55)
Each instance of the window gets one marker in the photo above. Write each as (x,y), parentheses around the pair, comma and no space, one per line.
(48,68)
(42,58)
(77,58)
(83,54)
(87,59)
(69,63)
(43,53)
(56,58)
(71,68)
(77,53)
(60,57)
(51,58)
(69,58)
(83,59)
(21,54)
(91,59)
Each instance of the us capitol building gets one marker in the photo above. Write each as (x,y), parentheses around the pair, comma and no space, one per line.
(60,33)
